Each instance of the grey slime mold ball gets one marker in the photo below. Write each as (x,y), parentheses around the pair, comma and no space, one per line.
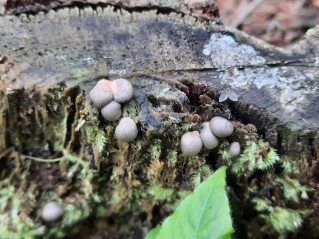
(122,90)
(234,149)
(112,111)
(209,139)
(191,143)
(51,211)
(101,95)
(126,130)
(221,127)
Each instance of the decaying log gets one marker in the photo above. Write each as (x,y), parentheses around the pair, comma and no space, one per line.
(50,59)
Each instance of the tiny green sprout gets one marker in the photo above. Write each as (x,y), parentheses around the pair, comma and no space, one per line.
(42,160)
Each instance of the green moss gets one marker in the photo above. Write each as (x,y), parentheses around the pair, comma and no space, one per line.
(288,165)
(161,193)
(171,158)
(202,173)
(13,223)
(252,158)
(16,204)
(278,220)
(136,176)
(284,220)
(269,170)
(96,136)
(187,126)
(292,188)
(75,213)
(255,156)
(155,150)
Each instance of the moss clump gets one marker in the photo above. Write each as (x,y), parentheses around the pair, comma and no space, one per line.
(256,156)
(14,222)
(270,183)
(280,220)
(19,199)
(96,137)
(161,193)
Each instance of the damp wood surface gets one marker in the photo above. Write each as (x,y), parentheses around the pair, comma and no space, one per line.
(114,42)
(51,59)
(74,47)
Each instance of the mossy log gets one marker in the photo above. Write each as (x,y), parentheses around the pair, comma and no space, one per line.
(52,57)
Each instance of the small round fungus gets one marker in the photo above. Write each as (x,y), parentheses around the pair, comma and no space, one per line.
(122,90)
(221,127)
(101,95)
(112,111)
(104,81)
(126,130)
(191,143)
(234,149)
(209,139)
(51,211)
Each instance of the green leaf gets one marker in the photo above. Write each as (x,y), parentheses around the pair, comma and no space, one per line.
(205,214)
(153,233)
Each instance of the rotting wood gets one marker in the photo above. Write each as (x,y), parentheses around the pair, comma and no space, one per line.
(56,57)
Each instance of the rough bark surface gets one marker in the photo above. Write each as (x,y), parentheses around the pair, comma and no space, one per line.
(53,54)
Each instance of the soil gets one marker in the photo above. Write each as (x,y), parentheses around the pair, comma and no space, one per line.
(281,23)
